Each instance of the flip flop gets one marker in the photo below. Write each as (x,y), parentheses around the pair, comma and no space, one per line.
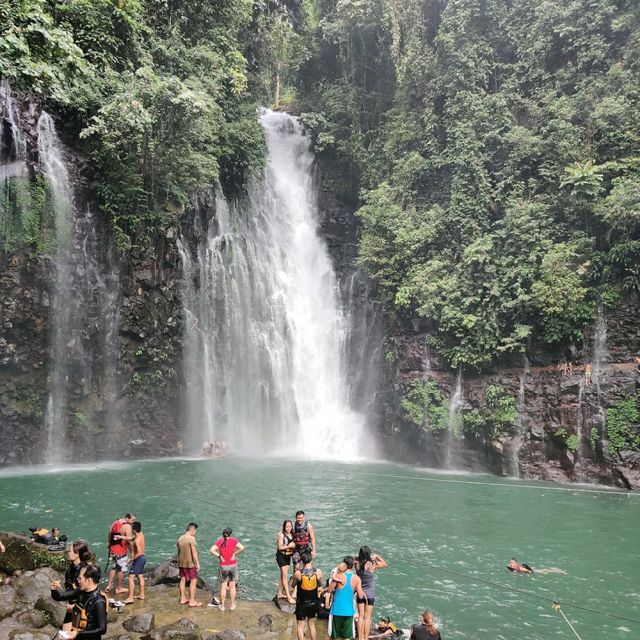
(185,602)
(128,601)
(196,605)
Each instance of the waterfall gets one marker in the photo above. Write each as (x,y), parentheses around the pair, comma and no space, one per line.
(265,334)
(14,192)
(521,422)
(600,356)
(14,151)
(363,342)
(454,421)
(84,312)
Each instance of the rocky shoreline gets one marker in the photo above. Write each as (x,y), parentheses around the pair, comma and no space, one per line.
(27,611)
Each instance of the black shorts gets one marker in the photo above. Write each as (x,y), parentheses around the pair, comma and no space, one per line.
(370,601)
(283,559)
(306,610)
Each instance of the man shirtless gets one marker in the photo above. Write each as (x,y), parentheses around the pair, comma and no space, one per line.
(138,560)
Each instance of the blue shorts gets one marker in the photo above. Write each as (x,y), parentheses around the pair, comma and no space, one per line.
(136,567)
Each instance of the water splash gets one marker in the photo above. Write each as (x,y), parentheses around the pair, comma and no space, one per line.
(265,334)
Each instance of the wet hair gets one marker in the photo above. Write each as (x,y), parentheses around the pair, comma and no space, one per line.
(348,560)
(226,532)
(91,572)
(54,529)
(128,516)
(428,621)
(305,557)
(284,526)
(385,619)
(81,547)
(192,525)
(364,556)
(137,526)
(299,513)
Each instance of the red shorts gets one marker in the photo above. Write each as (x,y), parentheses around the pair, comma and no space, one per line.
(190,573)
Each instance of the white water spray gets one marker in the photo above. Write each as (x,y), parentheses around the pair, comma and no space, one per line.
(264,329)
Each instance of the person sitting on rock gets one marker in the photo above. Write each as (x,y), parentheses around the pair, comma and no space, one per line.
(89,615)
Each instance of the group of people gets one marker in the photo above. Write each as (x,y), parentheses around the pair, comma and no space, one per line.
(213,449)
(347,597)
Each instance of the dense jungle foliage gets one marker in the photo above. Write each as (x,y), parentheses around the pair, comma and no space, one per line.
(494,149)
(491,147)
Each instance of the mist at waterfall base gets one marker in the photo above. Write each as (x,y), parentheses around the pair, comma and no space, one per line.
(416,519)
(266,338)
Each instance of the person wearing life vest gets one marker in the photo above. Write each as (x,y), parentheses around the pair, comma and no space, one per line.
(89,615)
(120,535)
(385,629)
(44,536)
(304,536)
(308,580)
(80,556)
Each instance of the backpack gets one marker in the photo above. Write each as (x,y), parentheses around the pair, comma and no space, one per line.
(309,580)
(80,613)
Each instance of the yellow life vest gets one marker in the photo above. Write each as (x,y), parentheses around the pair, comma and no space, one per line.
(79,616)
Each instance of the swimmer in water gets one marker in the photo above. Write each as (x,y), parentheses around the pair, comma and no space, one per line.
(522,568)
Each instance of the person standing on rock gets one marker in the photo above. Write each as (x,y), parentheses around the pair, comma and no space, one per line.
(285,546)
(366,566)
(188,565)
(138,560)
(120,534)
(308,580)
(304,536)
(227,550)
(345,584)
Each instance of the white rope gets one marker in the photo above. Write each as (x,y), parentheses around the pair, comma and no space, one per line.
(556,606)
(610,492)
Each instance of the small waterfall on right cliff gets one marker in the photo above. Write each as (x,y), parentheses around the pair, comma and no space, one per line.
(600,356)
(266,338)
(521,421)
(454,422)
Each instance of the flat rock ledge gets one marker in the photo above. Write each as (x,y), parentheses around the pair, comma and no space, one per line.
(28,613)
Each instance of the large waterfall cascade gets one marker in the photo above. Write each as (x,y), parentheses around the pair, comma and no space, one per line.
(84,309)
(266,338)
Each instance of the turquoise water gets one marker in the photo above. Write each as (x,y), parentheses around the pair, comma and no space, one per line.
(421,522)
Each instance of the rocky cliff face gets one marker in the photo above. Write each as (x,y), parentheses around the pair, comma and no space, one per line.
(560,431)
(132,411)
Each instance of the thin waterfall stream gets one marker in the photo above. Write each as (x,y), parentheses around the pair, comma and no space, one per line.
(265,333)
(84,310)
